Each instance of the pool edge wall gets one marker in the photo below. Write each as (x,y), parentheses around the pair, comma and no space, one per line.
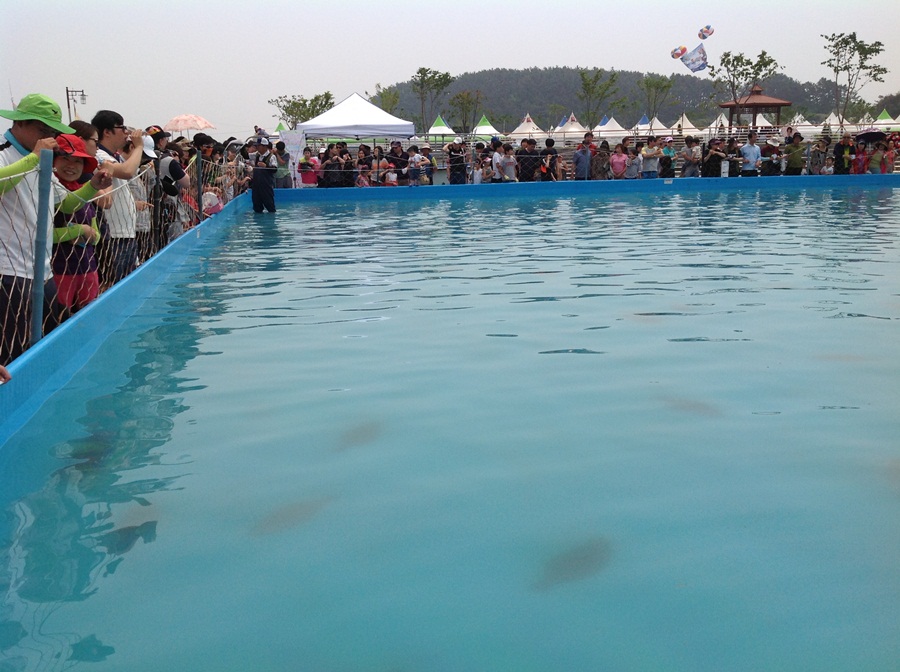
(596,187)
(48,366)
(55,359)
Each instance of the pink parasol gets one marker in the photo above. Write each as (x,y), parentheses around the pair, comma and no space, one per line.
(187,122)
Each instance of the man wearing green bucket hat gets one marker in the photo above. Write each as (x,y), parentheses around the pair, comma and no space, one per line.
(37,120)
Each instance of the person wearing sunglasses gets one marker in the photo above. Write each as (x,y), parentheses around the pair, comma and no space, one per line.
(118,250)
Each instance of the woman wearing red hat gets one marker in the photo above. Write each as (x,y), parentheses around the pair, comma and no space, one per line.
(74,235)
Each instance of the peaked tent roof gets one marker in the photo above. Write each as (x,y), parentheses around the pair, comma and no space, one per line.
(656,126)
(485,128)
(799,120)
(611,127)
(571,127)
(357,117)
(527,129)
(884,116)
(832,120)
(643,123)
(721,120)
(440,127)
(687,126)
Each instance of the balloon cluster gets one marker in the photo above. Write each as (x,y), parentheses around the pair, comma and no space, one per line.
(705,32)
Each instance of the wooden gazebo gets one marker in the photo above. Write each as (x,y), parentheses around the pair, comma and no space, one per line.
(755,103)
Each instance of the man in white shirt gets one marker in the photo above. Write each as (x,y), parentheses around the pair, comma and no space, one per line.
(118,253)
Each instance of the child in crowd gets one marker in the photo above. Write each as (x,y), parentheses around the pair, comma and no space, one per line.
(487,172)
(389,177)
(508,163)
(211,203)
(308,168)
(414,167)
(828,168)
(362,179)
(633,164)
(476,172)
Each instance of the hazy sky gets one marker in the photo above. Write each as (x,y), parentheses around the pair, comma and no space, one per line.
(224,59)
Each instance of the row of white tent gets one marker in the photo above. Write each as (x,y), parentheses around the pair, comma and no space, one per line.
(571,129)
(357,117)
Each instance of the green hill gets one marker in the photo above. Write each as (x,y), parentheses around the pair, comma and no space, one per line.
(550,93)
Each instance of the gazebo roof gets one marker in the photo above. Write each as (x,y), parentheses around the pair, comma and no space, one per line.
(756,99)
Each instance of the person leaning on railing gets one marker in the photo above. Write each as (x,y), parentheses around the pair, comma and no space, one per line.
(118,249)
(37,119)
(74,236)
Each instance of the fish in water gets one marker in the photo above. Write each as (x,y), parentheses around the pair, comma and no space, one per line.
(289,516)
(574,564)
(358,435)
(692,406)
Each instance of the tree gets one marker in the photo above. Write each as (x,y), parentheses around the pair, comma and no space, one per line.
(596,87)
(891,102)
(851,61)
(737,74)
(428,84)
(556,112)
(293,110)
(465,106)
(656,90)
(386,98)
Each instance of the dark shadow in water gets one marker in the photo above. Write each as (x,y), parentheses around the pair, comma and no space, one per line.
(289,516)
(359,435)
(574,564)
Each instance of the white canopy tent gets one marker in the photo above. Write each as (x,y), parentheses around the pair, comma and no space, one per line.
(657,127)
(527,129)
(611,128)
(833,121)
(642,127)
(720,122)
(865,121)
(440,128)
(356,117)
(353,117)
(684,126)
(571,130)
(484,130)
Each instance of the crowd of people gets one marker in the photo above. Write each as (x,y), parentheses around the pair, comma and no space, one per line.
(120,194)
(654,157)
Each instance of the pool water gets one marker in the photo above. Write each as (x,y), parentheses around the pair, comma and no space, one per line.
(617,433)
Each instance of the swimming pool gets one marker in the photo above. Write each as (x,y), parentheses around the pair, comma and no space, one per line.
(575,432)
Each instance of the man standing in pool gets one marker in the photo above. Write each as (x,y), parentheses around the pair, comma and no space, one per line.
(262,181)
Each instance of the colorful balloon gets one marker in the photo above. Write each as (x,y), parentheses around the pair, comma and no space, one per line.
(678,52)
(705,32)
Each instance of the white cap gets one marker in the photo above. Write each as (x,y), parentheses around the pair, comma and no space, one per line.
(149,148)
